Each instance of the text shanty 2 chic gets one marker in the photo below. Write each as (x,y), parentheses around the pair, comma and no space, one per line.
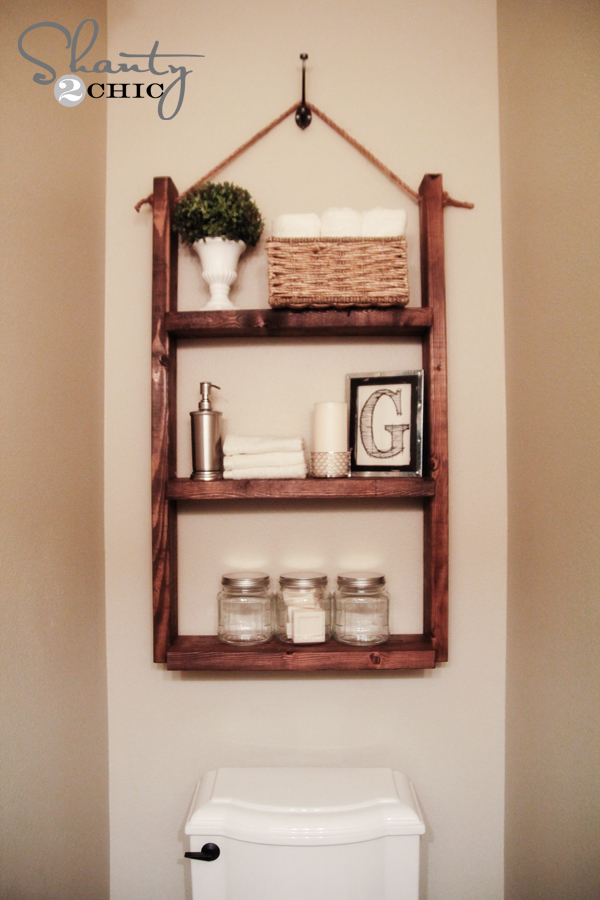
(105,67)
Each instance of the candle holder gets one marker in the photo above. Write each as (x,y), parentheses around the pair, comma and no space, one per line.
(330,464)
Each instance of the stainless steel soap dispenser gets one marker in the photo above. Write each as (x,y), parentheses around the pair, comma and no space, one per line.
(207,440)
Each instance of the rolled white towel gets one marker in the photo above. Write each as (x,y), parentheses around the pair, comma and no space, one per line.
(297,225)
(260,460)
(249,443)
(297,471)
(381,222)
(343,222)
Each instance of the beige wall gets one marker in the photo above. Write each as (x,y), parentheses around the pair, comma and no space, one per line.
(549,54)
(417,83)
(53,752)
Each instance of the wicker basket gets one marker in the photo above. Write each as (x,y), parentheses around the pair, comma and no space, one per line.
(340,272)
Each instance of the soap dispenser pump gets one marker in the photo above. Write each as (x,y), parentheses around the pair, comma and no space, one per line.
(207,441)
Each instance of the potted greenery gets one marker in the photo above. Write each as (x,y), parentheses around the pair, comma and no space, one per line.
(221,220)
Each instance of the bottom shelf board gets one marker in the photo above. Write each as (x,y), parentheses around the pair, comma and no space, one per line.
(401,651)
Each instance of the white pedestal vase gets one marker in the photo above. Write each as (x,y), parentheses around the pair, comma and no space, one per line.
(219,260)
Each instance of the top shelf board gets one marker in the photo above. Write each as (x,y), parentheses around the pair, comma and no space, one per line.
(275,323)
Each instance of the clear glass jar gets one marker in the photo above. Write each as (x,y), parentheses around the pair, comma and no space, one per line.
(361,609)
(303,608)
(245,608)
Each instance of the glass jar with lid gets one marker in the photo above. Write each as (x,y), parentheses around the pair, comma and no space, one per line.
(303,608)
(245,608)
(361,609)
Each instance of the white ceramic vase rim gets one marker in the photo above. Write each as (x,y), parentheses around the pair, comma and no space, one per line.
(218,237)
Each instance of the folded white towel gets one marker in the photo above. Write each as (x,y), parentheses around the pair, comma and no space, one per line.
(250,443)
(381,222)
(344,222)
(297,471)
(254,460)
(297,225)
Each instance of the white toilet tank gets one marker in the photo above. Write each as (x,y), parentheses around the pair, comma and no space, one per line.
(305,834)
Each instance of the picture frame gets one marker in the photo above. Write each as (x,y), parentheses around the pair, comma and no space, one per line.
(385,423)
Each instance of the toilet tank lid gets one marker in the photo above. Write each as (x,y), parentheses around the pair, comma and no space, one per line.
(306,806)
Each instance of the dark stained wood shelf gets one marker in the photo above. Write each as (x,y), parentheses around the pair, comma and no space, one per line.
(169,327)
(401,651)
(307,323)
(299,488)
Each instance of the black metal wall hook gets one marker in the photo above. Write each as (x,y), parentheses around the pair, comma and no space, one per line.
(303,113)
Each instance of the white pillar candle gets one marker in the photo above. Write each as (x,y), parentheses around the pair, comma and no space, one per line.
(330,427)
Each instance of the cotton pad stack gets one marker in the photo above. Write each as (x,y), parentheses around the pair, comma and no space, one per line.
(296,225)
(383,223)
(344,222)
(249,456)
(340,222)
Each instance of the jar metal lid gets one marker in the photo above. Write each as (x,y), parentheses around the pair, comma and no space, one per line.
(245,579)
(303,579)
(360,579)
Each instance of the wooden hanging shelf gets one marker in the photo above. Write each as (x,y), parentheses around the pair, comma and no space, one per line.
(170,327)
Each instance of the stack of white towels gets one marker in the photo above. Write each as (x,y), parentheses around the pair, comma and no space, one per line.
(342,222)
(249,456)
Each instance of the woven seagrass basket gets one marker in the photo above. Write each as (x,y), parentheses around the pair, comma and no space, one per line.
(339,272)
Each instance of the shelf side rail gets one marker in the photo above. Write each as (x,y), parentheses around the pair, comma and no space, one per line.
(164,430)
(433,291)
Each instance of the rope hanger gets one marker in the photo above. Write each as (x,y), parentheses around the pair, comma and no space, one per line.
(303,119)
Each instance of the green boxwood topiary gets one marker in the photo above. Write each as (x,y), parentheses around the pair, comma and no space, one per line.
(218,210)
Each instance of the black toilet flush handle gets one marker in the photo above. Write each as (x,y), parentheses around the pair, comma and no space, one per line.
(208,853)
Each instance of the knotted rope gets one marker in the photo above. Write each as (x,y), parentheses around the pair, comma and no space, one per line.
(448,201)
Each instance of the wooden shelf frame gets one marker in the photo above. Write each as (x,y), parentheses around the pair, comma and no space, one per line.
(300,489)
(409,651)
(169,326)
(309,323)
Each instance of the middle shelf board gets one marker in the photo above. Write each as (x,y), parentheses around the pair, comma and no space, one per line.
(275,323)
(300,488)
